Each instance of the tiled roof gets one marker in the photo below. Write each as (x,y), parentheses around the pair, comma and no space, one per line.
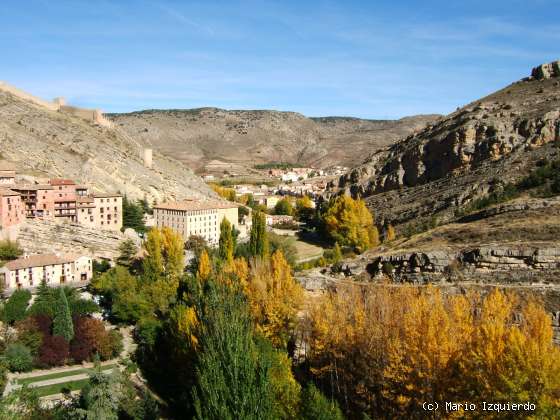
(61,181)
(6,192)
(40,260)
(32,187)
(192,204)
(106,195)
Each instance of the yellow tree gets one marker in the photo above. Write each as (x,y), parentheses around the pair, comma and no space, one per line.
(275,298)
(390,234)
(204,269)
(350,223)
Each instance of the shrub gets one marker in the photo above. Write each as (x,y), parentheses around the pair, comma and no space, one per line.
(44,323)
(54,351)
(16,306)
(315,406)
(18,358)
(9,250)
(91,338)
(29,335)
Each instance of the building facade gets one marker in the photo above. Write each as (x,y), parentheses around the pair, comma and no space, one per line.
(38,200)
(12,214)
(196,217)
(64,191)
(108,211)
(56,269)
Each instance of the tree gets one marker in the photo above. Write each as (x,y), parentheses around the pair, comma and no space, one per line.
(127,252)
(90,338)
(336,254)
(275,298)
(133,216)
(390,235)
(204,267)
(29,335)
(16,307)
(350,223)
(62,322)
(54,351)
(9,250)
(226,242)
(316,407)
(44,300)
(152,265)
(18,357)
(231,383)
(100,397)
(284,206)
(258,242)
(196,244)
(305,209)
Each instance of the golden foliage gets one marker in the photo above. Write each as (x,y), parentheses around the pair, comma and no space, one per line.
(274,298)
(390,235)
(389,349)
(204,266)
(227,193)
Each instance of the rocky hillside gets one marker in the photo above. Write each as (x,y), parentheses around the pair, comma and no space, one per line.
(198,136)
(468,154)
(43,142)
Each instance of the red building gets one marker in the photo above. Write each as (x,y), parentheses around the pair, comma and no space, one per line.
(64,191)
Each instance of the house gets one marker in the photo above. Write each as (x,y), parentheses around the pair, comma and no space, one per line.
(12,214)
(64,191)
(7,173)
(56,269)
(38,200)
(197,217)
(108,211)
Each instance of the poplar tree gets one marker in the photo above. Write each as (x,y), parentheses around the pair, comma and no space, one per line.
(62,322)
(226,241)
(258,243)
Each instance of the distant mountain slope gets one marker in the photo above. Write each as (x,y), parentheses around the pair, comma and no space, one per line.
(197,136)
(466,155)
(43,142)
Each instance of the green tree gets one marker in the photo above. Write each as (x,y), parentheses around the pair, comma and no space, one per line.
(18,358)
(127,252)
(315,406)
(258,242)
(133,216)
(284,207)
(152,264)
(16,307)
(305,209)
(62,322)
(100,397)
(9,250)
(231,382)
(226,241)
(336,254)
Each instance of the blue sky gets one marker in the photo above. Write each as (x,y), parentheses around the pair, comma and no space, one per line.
(370,59)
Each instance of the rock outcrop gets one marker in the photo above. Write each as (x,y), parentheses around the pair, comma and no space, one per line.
(491,141)
(546,71)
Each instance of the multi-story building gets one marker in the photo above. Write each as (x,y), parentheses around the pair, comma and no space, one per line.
(196,217)
(7,173)
(12,214)
(85,212)
(38,200)
(56,269)
(64,191)
(108,211)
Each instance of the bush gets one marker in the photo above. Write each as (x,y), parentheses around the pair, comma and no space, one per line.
(315,406)
(91,338)
(54,351)
(16,306)
(9,251)
(29,335)
(18,358)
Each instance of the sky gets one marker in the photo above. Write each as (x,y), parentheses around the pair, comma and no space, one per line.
(367,59)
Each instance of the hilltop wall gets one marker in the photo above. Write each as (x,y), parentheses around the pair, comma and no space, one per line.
(93,115)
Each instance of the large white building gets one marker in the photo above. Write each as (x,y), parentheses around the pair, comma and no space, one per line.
(56,269)
(196,217)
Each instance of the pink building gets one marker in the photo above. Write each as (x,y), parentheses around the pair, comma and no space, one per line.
(7,173)
(64,191)
(12,214)
(37,199)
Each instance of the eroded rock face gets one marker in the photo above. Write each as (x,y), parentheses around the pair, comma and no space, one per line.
(494,138)
(546,71)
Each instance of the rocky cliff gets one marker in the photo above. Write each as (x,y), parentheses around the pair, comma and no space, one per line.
(44,142)
(465,155)
(198,136)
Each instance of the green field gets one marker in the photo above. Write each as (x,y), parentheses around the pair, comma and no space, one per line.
(44,391)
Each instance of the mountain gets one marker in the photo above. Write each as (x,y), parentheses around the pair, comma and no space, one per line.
(469,154)
(199,136)
(44,142)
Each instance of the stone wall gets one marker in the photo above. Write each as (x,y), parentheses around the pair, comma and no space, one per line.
(24,95)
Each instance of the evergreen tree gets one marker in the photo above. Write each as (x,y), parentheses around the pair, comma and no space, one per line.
(128,250)
(100,397)
(336,254)
(133,216)
(231,381)
(16,306)
(315,406)
(258,243)
(43,303)
(226,241)
(62,322)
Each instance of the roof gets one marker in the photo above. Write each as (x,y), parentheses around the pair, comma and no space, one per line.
(6,192)
(106,195)
(192,204)
(31,187)
(61,181)
(40,260)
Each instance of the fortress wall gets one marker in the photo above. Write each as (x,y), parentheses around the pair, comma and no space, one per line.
(24,95)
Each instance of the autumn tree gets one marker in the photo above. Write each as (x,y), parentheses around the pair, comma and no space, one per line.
(204,269)
(350,223)
(258,242)
(284,207)
(226,244)
(304,209)
(390,234)
(275,298)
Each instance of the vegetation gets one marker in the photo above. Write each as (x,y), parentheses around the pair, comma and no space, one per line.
(62,321)
(275,165)
(258,244)
(133,214)
(284,207)
(9,251)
